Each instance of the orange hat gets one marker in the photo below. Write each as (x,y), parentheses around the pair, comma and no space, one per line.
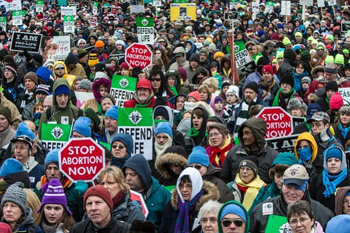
(99,44)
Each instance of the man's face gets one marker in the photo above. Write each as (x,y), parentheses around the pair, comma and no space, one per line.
(134,180)
(320,52)
(318,126)
(291,194)
(52,171)
(143,94)
(202,57)
(106,104)
(21,151)
(4,123)
(330,93)
(59,71)
(98,211)
(248,137)
(111,124)
(231,98)
(47,103)
(346,205)
(232,218)
(92,40)
(250,95)
(71,66)
(267,77)
(29,84)
(162,138)
(62,100)
(330,76)
(40,97)
(8,74)
(194,64)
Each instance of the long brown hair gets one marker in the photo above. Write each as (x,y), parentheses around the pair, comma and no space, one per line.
(67,220)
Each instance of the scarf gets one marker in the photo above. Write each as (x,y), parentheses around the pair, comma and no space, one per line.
(48,228)
(6,136)
(183,218)
(305,154)
(344,132)
(281,96)
(331,186)
(193,133)
(252,191)
(214,158)
(30,164)
(242,117)
(297,79)
(118,199)
(160,149)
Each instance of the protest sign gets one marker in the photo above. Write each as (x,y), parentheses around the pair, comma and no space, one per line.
(68,10)
(95,8)
(307,2)
(59,48)
(241,54)
(320,3)
(269,7)
(298,121)
(40,6)
(276,223)
(157,2)
(14,5)
(3,23)
(54,135)
(82,97)
(332,2)
(68,24)
(138,55)
(62,2)
(25,41)
(81,159)
(283,144)
(122,89)
(182,11)
(138,123)
(278,122)
(135,196)
(285,8)
(137,6)
(345,93)
(17,18)
(345,26)
(145,30)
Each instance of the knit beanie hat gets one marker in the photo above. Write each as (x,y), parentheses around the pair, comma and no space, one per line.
(11,68)
(312,109)
(194,94)
(54,194)
(285,158)
(233,89)
(99,44)
(334,152)
(286,41)
(6,112)
(336,102)
(85,84)
(338,223)
(81,53)
(233,208)
(287,78)
(8,59)
(305,55)
(124,65)
(345,109)
(92,60)
(218,54)
(250,161)
(43,89)
(161,111)
(204,51)
(17,195)
(306,79)
(24,130)
(82,126)
(198,155)
(329,59)
(279,54)
(331,85)
(253,86)
(62,89)
(32,76)
(101,192)
(11,166)
(298,34)
(163,127)
(127,140)
(51,157)
(339,59)
(267,68)
(112,112)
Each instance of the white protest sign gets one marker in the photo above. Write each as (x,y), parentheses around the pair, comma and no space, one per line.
(145,30)
(82,97)
(59,48)
(68,10)
(285,8)
(345,93)
(320,3)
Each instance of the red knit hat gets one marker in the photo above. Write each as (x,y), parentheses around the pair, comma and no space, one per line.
(267,68)
(124,65)
(144,83)
(336,102)
(101,192)
(194,94)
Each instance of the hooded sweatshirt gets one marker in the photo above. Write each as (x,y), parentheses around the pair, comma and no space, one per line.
(183,63)
(68,77)
(316,59)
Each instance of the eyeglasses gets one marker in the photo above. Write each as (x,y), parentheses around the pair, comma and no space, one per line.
(228,222)
(182,185)
(118,146)
(205,220)
(294,222)
(198,167)
(214,135)
(156,80)
(61,68)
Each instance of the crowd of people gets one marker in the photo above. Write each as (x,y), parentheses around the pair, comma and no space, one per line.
(212,169)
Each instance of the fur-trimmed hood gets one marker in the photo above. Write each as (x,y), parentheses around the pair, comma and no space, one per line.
(315,70)
(162,164)
(102,81)
(210,193)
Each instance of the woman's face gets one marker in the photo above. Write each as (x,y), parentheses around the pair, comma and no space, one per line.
(171,81)
(119,47)
(286,87)
(278,180)
(197,121)
(344,119)
(301,224)
(142,75)
(53,213)
(111,184)
(246,174)
(103,90)
(218,106)
(334,165)
(11,212)
(159,54)
(254,50)
(124,72)
(156,82)
(209,223)
(180,102)
(299,69)
(186,190)
(296,112)
(216,138)
(119,150)
(204,95)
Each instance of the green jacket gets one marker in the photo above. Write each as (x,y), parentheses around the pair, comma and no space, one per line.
(57,113)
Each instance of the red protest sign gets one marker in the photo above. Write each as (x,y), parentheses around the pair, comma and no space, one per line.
(135,196)
(138,55)
(81,159)
(278,122)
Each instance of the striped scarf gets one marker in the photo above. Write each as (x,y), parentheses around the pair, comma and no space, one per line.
(241,118)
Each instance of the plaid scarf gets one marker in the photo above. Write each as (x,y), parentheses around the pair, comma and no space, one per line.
(183,219)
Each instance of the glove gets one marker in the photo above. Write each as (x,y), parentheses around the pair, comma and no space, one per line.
(81,186)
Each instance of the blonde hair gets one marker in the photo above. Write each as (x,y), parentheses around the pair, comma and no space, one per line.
(118,175)
(211,82)
(205,88)
(33,202)
(90,103)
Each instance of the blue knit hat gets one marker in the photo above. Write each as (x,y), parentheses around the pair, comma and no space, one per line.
(63,89)
(198,155)
(82,126)
(112,112)
(334,152)
(23,130)
(164,127)
(51,157)
(10,166)
(233,209)
(127,140)
(336,224)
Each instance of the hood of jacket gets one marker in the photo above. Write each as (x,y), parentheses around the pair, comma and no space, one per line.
(57,83)
(65,69)
(180,49)
(27,221)
(247,225)
(139,164)
(203,128)
(92,35)
(193,46)
(223,60)
(95,88)
(324,48)
(308,137)
(343,161)
(163,162)
(168,110)
(258,127)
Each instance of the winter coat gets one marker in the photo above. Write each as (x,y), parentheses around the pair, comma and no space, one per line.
(265,154)
(27,113)
(28,224)
(339,136)
(321,82)
(70,78)
(259,220)
(255,77)
(6,136)
(15,115)
(128,211)
(316,59)
(78,71)
(324,104)
(171,211)
(114,226)
(301,128)
(132,103)
(184,63)
(57,113)
(285,68)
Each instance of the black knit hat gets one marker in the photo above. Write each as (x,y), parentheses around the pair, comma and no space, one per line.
(253,86)
(252,162)
(332,85)
(287,78)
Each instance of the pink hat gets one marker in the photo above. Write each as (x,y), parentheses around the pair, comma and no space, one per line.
(336,102)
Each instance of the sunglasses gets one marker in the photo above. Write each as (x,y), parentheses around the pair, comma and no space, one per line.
(228,222)
(156,80)
(118,146)
(59,68)
(198,167)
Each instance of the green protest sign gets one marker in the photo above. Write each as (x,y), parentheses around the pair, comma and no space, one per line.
(241,54)
(68,23)
(3,23)
(40,6)
(94,8)
(145,30)
(277,224)
(138,123)
(17,17)
(55,135)
(122,89)
(180,1)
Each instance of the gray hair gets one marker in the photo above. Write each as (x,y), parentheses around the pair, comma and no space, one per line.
(209,207)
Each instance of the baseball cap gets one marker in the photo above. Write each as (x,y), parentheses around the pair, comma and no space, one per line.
(295,174)
(319,116)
